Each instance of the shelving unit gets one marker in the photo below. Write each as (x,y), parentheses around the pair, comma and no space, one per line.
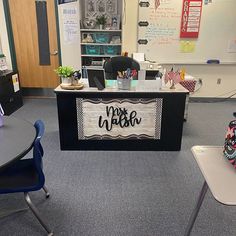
(102,47)
(102,44)
(98,44)
(101,30)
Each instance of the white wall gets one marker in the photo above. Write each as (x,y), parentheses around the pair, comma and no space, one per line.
(4,43)
(0,46)
(129,26)
(208,73)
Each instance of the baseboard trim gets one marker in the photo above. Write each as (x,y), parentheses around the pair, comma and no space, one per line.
(210,99)
(38,92)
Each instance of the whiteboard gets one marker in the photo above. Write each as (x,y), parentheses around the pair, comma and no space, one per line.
(216,40)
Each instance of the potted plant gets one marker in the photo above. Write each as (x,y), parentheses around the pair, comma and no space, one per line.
(65,73)
(101,21)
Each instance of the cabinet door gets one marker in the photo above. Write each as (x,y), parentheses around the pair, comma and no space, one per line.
(9,99)
(6,87)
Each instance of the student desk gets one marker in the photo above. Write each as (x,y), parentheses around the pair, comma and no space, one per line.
(143,118)
(219,175)
(16,139)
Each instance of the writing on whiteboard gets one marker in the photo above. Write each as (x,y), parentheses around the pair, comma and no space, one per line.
(161,29)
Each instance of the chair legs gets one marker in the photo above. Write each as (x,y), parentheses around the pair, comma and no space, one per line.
(46,191)
(196,209)
(36,213)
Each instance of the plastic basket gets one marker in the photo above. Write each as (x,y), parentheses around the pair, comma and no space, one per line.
(92,49)
(101,38)
(111,50)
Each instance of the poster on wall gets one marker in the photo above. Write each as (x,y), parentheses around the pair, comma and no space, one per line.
(190,18)
(65,1)
(119,118)
(70,24)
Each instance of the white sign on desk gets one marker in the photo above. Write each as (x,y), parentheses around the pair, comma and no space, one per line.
(119,118)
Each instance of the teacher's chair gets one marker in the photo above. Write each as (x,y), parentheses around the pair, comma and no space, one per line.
(27,175)
(119,63)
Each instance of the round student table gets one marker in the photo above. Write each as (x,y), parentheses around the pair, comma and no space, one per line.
(16,139)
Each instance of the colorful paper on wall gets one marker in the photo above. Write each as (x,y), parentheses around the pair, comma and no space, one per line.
(190,19)
(187,46)
(15,81)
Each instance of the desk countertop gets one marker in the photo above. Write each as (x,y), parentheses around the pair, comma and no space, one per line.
(219,174)
(138,86)
(16,139)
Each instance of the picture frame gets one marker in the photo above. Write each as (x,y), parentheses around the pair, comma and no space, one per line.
(115,22)
(101,7)
(87,38)
(90,8)
(94,8)
(111,7)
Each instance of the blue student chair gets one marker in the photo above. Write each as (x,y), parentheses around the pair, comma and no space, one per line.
(27,175)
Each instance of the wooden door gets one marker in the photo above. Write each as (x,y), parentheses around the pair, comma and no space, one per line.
(24,26)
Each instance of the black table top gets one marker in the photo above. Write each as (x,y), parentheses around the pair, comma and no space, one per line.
(16,139)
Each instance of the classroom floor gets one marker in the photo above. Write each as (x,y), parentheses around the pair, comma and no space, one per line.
(114,193)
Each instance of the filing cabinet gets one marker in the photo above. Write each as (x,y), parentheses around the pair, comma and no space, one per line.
(10,92)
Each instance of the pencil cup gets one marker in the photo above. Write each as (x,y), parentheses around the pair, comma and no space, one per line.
(123,83)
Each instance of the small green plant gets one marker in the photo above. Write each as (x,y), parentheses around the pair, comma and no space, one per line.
(65,71)
(101,20)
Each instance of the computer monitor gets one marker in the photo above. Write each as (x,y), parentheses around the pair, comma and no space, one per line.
(96,78)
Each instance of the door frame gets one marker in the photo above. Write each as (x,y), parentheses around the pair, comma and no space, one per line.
(11,38)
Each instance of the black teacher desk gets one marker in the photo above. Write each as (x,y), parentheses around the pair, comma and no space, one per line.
(143,118)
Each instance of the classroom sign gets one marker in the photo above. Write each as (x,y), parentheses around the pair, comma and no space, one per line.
(190,18)
(119,118)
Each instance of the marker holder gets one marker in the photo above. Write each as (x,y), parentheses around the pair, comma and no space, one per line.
(124,83)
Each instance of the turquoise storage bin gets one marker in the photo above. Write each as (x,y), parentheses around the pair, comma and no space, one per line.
(101,38)
(92,49)
(111,50)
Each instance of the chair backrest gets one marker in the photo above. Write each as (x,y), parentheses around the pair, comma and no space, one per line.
(38,149)
(119,63)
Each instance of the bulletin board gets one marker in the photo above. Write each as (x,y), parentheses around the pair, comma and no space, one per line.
(161,42)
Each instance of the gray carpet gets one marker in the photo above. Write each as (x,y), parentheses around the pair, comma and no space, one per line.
(107,193)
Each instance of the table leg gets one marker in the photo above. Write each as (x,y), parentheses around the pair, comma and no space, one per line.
(196,209)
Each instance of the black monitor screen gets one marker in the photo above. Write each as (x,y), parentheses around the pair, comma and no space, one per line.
(96,75)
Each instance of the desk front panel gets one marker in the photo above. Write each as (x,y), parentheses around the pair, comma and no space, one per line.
(121,121)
